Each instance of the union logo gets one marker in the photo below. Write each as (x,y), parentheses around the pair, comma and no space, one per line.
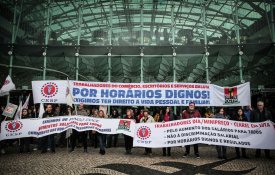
(231,95)
(14,126)
(124,125)
(6,82)
(49,89)
(144,132)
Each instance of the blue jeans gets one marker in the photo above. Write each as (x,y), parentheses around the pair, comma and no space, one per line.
(101,140)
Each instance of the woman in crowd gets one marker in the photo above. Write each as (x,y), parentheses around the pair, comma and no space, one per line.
(221,150)
(128,139)
(147,119)
(93,134)
(240,116)
(25,142)
(101,137)
(114,115)
(157,117)
(166,117)
(209,113)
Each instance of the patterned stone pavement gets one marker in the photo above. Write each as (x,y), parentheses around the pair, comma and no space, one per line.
(116,162)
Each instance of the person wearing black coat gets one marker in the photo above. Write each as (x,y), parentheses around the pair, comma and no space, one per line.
(24,142)
(111,136)
(261,114)
(240,116)
(166,117)
(44,140)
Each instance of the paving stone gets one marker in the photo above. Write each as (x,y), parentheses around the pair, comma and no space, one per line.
(116,162)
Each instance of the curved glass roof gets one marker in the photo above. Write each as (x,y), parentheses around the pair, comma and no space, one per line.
(157,25)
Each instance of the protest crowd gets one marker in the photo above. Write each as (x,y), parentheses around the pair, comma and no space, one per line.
(140,115)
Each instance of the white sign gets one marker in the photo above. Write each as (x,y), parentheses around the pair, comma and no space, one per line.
(205,131)
(42,127)
(152,135)
(141,94)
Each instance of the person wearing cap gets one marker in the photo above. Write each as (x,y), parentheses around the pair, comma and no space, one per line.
(191,112)
(147,119)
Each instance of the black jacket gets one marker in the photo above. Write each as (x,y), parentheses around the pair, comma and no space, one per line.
(46,114)
(241,119)
(257,116)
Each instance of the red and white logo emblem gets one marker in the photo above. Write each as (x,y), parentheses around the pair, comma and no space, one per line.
(14,126)
(6,82)
(49,89)
(144,132)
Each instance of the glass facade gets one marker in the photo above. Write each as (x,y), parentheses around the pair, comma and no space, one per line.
(219,41)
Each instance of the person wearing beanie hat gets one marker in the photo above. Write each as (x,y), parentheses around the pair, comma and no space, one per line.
(191,112)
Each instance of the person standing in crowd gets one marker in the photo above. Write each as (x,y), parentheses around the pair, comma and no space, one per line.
(128,139)
(25,142)
(191,112)
(83,135)
(209,113)
(166,117)
(261,114)
(2,142)
(94,133)
(50,138)
(68,112)
(102,137)
(157,117)
(147,119)
(114,115)
(221,150)
(247,112)
(140,116)
(135,113)
(242,118)
(30,113)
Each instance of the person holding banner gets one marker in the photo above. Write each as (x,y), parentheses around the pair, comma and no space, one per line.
(44,140)
(168,116)
(147,119)
(24,142)
(102,137)
(83,135)
(221,150)
(191,112)
(261,114)
(128,139)
(93,135)
(242,118)
(111,136)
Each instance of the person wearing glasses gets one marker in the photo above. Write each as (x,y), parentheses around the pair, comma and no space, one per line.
(261,114)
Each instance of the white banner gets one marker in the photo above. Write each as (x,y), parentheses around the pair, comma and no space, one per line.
(41,127)
(206,131)
(141,94)
(153,135)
